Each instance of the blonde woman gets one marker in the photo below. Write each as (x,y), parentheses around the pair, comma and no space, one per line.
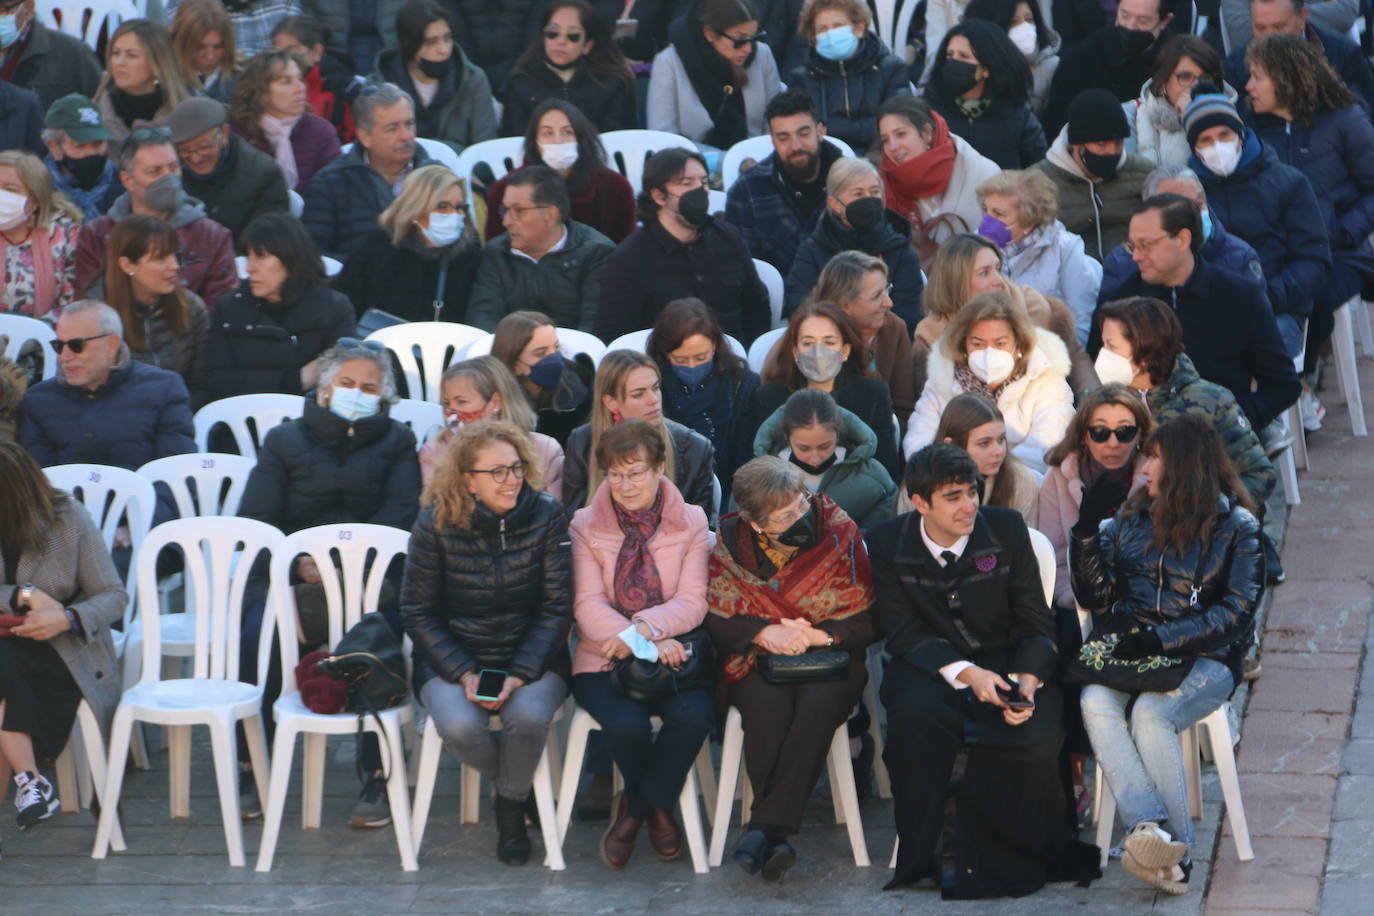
(484,389)
(38,230)
(203,38)
(629,387)
(144,79)
(992,348)
(421,260)
(471,610)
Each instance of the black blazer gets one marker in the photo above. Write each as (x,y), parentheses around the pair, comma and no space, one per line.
(1001,623)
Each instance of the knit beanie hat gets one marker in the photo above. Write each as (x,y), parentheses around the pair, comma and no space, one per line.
(1209,108)
(1096,116)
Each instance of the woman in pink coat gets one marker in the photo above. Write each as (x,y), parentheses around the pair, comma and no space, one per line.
(639,564)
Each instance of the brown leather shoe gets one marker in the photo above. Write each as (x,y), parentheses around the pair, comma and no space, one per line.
(664,834)
(618,842)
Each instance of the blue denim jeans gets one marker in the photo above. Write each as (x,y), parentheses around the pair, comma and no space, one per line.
(1141,757)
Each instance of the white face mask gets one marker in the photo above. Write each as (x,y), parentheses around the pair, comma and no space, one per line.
(444,228)
(13,209)
(353,403)
(1113,367)
(1220,157)
(559,156)
(1024,37)
(990,365)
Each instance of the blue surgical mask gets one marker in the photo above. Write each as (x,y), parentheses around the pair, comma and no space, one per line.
(692,376)
(9,29)
(353,404)
(838,43)
(547,371)
(1206,226)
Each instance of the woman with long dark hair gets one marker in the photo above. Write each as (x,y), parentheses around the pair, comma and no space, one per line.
(1183,62)
(270,110)
(558,388)
(574,59)
(1025,25)
(559,135)
(1178,572)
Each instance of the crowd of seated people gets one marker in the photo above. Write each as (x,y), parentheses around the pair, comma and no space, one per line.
(867,322)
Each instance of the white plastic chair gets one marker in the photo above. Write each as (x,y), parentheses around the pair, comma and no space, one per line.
(1347,370)
(18,330)
(737,347)
(762,346)
(584,724)
(352,588)
(425,418)
(431,749)
(81,769)
(628,150)
(635,340)
(425,349)
(772,279)
(572,342)
(1218,727)
(262,411)
(1364,333)
(758,149)
(218,559)
(296,203)
(503,155)
(715,202)
(204,483)
(113,496)
(440,152)
(842,789)
(74,16)
(716,495)
(332,266)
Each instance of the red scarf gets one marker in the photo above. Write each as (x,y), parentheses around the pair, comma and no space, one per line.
(637,582)
(830,581)
(924,176)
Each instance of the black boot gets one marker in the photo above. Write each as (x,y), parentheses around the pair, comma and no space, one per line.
(512,842)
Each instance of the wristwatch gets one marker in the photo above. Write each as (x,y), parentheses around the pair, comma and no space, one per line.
(25,596)
(830,640)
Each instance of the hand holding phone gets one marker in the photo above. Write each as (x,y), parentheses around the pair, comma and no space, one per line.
(490,683)
(1015,699)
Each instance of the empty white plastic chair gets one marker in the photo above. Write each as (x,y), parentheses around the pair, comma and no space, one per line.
(628,150)
(440,152)
(204,483)
(218,555)
(73,19)
(503,155)
(773,280)
(352,587)
(248,416)
(762,346)
(572,342)
(17,331)
(425,349)
(425,418)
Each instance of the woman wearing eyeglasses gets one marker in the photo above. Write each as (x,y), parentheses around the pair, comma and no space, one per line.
(421,261)
(712,82)
(574,59)
(453,99)
(487,601)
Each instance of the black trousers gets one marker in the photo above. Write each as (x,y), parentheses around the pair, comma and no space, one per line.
(787,733)
(1008,805)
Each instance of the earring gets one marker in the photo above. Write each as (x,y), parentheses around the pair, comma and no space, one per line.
(615,416)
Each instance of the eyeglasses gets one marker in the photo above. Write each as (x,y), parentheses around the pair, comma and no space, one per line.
(881,293)
(616,478)
(1186,79)
(791,517)
(1144,245)
(746,40)
(353,343)
(502,473)
(453,208)
(76,343)
(1124,434)
(519,212)
(573,35)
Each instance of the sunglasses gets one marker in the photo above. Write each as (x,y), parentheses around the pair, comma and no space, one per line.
(573,36)
(747,40)
(1124,434)
(76,343)
(353,343)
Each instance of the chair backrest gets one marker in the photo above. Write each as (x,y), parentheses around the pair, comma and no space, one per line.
(715,496)
(352,560)
(297,203)
(1044,558)
(17,330)
(74,16)
(218,556)
(441,153)
(572,342)
(248,416)
(772,278)
(202,484)
(332,266)
(503,155)
(113,496)
(758,350)
(715,202)
(737,347)
(425,418)
(759,148)
(635,340)
(893,22)
(628,150)
(425,349)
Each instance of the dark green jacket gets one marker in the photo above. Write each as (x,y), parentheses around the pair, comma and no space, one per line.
(564,284)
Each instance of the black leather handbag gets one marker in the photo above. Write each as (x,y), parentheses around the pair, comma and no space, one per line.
(643,680)
(812,665)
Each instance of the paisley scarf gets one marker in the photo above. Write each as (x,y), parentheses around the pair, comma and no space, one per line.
(637,582)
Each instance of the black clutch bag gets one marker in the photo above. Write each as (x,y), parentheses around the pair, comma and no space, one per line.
(812,665)
(643,680)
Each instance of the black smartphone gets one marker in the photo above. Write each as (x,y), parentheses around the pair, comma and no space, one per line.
(1014,699)
(489,684)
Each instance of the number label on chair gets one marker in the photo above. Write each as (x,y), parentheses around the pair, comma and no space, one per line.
(94,477)
(346,534)
(207,464)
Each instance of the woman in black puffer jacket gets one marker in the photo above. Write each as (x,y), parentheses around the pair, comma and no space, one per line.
(1179,571)
(488,588)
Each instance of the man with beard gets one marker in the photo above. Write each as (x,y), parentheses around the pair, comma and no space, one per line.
(775,204)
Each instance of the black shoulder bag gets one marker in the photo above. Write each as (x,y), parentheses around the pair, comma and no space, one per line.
(644,680)
(370,662)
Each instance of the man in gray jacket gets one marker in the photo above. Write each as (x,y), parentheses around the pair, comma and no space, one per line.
(44,60)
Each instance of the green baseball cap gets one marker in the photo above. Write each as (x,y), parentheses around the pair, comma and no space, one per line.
(77,117)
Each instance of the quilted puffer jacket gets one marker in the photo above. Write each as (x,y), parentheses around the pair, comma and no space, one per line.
(497,594)
(1118,569)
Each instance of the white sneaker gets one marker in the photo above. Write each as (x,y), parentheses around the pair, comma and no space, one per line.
(1152,847)
(35,800)
(1311,410)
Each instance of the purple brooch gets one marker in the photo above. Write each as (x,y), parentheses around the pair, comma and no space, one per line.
(987,563)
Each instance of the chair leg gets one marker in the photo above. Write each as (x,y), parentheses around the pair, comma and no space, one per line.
(691,824)
(1299,439)
(731,759)
(548,816)
(94,745)
(227,780)
(1192,769)
(179,769)
(85,781)
(398,794)
(1343,346)
(1360,317)
(114,781)
(842,785)
(426,773)
(257,756)
(67,789)
(283,749)
(706,779)
(469,794)
(1223,752)
(1106,816)
(314,749)
(1288,473)
(896,844)
(573,757)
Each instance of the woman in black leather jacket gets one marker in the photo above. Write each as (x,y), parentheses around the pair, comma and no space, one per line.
(1179,570)
(488,587)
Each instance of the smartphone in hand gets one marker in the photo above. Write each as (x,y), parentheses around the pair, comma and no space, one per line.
(490,683)
(1014,699)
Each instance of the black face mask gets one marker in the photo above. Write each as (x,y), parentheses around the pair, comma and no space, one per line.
(959,76)
(865,213)
(694,207)
(434,69)
(1103,167)
(86,170)
(814,469)
(1134,42)
(801,533)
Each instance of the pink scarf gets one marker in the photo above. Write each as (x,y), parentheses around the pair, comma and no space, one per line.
(44,277)
(278,131)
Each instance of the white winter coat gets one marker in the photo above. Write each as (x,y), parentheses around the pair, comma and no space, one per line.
(1052,261)
(1158,127)
(673,105)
